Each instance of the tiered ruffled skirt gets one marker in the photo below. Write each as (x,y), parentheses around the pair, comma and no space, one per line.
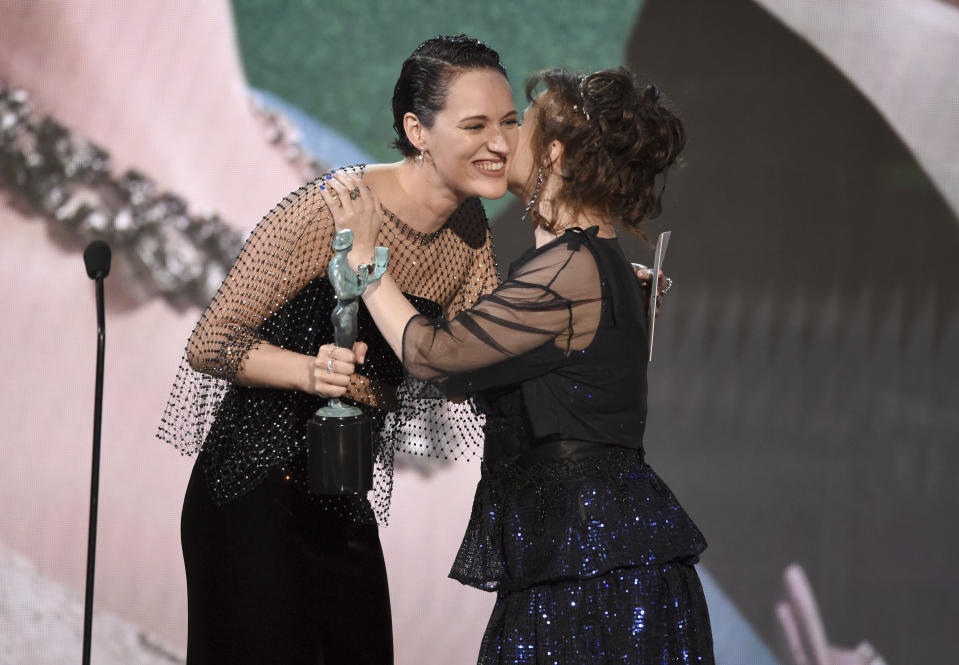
(592,561)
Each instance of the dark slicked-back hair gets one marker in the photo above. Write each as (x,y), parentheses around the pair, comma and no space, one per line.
(425,78)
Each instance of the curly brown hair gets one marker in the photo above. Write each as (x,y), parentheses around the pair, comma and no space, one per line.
(617,138)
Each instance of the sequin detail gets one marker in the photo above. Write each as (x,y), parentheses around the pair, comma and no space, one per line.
(648,615)
(571,519)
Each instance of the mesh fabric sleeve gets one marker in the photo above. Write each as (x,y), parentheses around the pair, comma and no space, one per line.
(554,297)
(290,246)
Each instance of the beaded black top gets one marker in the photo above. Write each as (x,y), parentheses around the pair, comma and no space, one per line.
(277,293)
(558,353)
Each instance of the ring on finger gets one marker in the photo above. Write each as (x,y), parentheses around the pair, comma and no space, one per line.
(666,287)
(329,366)
(333,186)
(355,193)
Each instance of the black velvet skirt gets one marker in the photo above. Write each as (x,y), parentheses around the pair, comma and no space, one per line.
(276,577)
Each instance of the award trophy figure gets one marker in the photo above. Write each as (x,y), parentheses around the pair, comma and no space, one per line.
(338,436)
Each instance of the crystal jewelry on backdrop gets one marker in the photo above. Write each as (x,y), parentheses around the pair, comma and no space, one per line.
(177,253)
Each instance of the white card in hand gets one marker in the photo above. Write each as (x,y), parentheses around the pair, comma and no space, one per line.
(661,242)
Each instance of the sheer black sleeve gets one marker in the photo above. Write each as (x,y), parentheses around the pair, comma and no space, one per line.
(552,298)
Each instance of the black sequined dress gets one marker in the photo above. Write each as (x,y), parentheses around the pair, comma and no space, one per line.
(275,573)
(589,552)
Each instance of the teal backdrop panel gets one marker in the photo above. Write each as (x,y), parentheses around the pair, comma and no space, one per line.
(339,62)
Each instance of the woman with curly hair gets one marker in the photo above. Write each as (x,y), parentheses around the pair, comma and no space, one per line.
(589,552)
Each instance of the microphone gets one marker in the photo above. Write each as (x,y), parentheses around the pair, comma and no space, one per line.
(96,257)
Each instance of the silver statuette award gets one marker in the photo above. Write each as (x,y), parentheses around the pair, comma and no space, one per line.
(339,441)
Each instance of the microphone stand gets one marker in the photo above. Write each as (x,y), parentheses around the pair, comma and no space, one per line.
(94,474)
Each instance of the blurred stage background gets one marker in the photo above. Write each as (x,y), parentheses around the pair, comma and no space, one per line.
(803,399)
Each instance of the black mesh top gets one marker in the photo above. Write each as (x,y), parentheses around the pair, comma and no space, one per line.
(277,293)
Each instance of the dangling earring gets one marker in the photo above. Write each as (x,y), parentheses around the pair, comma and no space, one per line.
(540,177)
(419,157)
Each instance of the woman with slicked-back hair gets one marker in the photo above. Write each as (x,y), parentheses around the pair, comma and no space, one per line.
(276,574)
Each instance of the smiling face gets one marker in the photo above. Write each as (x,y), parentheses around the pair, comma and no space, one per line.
(474,135)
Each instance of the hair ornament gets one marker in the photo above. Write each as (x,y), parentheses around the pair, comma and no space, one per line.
(582,96)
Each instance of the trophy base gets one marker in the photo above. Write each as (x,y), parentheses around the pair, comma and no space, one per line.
(340,455)
(338,410)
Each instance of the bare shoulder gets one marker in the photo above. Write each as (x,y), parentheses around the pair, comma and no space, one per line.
(379,177)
